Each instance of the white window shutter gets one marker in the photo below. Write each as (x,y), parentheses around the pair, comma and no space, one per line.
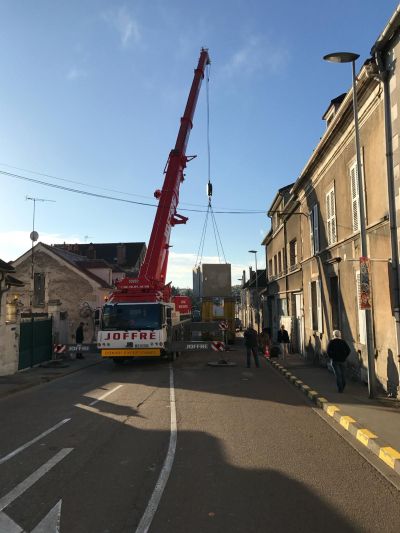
(310,305)
(315,228)
(333,214)
(331,217)
(310,218)
(362,323)
(355,198)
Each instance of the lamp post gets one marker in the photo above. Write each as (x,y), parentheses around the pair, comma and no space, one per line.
(257,300)
(349,57)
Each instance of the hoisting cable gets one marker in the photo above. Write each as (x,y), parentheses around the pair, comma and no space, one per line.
(217,236)
(202,239)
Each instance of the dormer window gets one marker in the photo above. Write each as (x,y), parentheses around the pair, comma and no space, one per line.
(330,113)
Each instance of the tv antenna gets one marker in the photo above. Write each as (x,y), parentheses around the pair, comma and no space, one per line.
(34,236)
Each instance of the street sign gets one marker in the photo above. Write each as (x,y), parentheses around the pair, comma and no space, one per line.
(223,325)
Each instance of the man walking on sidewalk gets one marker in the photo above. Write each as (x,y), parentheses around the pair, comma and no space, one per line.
(338,350)
(283,339)
(251,343)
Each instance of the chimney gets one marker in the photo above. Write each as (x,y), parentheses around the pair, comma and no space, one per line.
(121,254)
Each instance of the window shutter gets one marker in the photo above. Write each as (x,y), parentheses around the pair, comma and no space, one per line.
(310,305)
(316,229)
(355,199)
(331,217)
(310,218)
(328,219)
(362,324)
(333,213)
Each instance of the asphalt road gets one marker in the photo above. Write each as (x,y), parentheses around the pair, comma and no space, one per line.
(251,456)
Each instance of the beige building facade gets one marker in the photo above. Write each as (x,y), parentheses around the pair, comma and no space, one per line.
(314,286)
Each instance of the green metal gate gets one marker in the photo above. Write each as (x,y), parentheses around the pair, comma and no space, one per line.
(35,342)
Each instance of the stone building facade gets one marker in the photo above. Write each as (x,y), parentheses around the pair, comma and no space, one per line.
(315,283)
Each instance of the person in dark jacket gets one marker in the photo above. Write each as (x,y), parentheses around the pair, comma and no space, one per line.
(251,342)
(79,339)
(338,350)
(283,339)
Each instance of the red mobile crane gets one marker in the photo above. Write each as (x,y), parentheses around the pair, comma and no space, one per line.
(138,318)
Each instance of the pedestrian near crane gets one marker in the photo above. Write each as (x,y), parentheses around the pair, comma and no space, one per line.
(283,339)
(338,350)
(251,342)
(79,336)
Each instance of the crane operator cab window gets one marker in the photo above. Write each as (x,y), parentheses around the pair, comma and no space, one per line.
(131,316)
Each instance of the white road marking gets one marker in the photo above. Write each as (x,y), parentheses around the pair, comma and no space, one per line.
(24,446)
(105,395)
(51,522)
(154,501)
(29,481)
(9,526)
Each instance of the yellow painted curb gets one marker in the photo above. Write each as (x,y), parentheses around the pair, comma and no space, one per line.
(345,421)
(389,456)
(322,399)
(312,393)
(364,435)
(331,410)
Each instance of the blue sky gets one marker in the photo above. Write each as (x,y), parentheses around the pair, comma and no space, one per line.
(92,91)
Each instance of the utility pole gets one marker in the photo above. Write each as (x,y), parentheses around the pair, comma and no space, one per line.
(34,237)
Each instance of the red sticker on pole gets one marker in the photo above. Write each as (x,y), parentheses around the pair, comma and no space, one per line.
(365,286)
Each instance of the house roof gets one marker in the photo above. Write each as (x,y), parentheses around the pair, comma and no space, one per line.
(13,282)
(335,102)
(6,267)
(108,251)
(280,194)
(78,262)
(261,279)
(388,33)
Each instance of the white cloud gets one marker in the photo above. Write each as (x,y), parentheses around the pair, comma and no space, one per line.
(15,243)
(124,23)
(257,54)
(75,73)
(180,267)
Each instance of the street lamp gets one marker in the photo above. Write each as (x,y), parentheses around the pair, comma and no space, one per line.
(349,57)
(257,301)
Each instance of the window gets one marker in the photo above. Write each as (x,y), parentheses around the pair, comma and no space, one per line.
(362,324)
(315,308)
(279,263)
(275,265)
(314,230)
(270,272)
(131,317)
(355,197)
(282,307)
(292,254)
(38,289)
(331,217)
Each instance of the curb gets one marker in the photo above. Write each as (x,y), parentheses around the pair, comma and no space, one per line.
(385,452)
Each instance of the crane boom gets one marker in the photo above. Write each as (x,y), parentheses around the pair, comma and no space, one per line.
(150,283)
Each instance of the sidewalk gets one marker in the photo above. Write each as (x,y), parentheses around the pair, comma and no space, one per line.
(375,423)
(48,371)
